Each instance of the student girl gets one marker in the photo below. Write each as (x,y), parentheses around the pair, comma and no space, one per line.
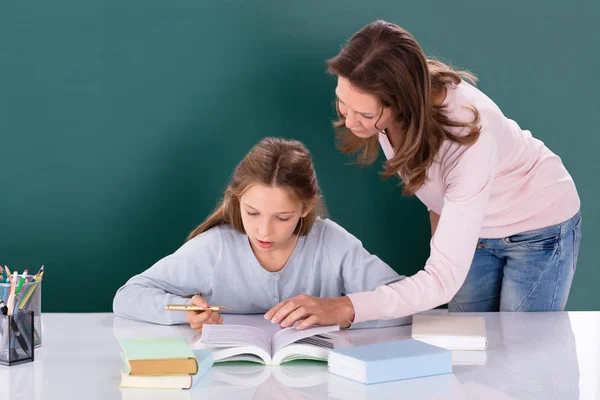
(264,243)
(504,210)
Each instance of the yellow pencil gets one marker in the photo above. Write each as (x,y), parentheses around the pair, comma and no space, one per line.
(39,274)
(27,296)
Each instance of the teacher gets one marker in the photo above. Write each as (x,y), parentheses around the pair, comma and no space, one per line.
(505,213)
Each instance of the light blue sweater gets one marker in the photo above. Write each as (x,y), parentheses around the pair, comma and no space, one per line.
(220,265)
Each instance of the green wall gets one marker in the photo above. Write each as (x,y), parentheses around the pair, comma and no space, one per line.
(121,121)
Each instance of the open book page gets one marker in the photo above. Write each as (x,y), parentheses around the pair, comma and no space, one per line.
(291,335)
(256,320)
(235,335)
(294,352)
(290,344)
(238,341)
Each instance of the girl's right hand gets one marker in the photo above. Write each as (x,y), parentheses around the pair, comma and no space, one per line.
(198,319)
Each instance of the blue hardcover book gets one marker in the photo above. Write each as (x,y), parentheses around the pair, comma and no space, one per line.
(384,362)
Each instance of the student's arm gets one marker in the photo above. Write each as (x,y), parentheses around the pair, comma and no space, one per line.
(468,188)
(186,272)
(361,270)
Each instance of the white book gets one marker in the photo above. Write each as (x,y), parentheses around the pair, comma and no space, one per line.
(265,343)
(450,332)
(156,381)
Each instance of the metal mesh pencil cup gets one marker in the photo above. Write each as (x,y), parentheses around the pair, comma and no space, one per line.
(28,299)
(16,341)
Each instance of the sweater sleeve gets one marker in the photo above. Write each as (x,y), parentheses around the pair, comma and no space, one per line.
(468,185)
(186,272)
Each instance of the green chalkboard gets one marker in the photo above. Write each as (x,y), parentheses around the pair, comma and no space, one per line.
(121,121)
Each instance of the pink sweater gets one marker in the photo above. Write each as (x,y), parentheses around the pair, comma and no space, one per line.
(506,183)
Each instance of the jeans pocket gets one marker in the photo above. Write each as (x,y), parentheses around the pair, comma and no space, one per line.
(543,239)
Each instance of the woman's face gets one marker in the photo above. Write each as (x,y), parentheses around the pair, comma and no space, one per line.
(361,110)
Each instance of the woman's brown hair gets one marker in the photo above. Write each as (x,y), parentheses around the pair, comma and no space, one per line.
(272,162)
(384,60)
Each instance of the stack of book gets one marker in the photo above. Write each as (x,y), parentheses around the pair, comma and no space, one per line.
(437,342)
(465,336)
(162,363)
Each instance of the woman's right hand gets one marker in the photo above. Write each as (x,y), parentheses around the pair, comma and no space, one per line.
(198,319)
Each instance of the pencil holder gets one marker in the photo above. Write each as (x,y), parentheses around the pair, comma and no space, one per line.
(28,299)
(16,341)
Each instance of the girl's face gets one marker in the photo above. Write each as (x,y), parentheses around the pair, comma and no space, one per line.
(361,110)
(270,215)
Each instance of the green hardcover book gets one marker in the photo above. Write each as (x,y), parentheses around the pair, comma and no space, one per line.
(158,356)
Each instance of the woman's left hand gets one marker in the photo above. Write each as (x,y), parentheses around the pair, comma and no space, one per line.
(310,310)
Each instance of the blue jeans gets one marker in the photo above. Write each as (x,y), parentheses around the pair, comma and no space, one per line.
(529,271)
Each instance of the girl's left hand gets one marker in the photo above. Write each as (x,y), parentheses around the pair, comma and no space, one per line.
(310,310)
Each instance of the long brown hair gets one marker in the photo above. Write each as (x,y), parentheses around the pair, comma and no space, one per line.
(272,162)
(384,60)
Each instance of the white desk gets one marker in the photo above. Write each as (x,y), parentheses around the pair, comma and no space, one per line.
(530,356)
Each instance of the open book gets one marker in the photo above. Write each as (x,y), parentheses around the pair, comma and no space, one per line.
(265,344)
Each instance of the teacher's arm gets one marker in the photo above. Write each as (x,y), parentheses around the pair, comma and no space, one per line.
(468,185)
